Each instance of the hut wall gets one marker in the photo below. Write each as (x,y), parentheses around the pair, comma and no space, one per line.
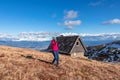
(80,54)
(77,47)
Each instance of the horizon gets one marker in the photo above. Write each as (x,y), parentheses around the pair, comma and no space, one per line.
(46,36)
(57,33)
(59,16)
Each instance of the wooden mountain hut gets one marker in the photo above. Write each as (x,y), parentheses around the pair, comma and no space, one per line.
(70,45)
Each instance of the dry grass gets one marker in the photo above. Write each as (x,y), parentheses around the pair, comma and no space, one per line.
(26,64)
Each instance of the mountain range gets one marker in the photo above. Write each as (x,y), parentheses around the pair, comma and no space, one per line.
(46,36)
(41,40)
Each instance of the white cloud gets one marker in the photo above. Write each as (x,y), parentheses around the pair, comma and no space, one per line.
(71,14)
(95,3)
(71,24)
(70,20)
(98,3)
(114,21)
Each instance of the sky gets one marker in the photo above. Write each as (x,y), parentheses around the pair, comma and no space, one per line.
(76,16)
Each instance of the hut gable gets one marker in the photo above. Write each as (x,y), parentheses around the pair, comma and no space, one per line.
(78,46)
(70,44)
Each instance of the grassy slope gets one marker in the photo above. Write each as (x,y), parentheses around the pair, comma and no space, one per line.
(15,66)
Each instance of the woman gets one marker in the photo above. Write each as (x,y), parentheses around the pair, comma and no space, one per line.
(54,46)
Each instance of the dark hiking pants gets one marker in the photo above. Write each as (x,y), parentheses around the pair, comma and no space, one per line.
(56,57)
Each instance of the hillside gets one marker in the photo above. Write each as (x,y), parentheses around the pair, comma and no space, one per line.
(26,64)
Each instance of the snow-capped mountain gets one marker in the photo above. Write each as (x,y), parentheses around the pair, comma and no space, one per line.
(114,45)
(46,36)
(29,36)
(36,36)
(97,37)
(109,52)
(39,40)
(7,37)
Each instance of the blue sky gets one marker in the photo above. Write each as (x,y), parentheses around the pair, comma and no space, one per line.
(78,16)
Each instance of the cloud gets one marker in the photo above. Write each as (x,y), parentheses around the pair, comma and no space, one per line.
(70,20)
(54,16)
(59,24)
(100,2)
(71,24)
(71,14)
(114,21)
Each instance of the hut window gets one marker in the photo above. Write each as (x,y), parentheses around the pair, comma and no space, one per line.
(77,43)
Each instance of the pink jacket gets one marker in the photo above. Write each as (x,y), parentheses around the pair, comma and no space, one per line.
(54,45)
